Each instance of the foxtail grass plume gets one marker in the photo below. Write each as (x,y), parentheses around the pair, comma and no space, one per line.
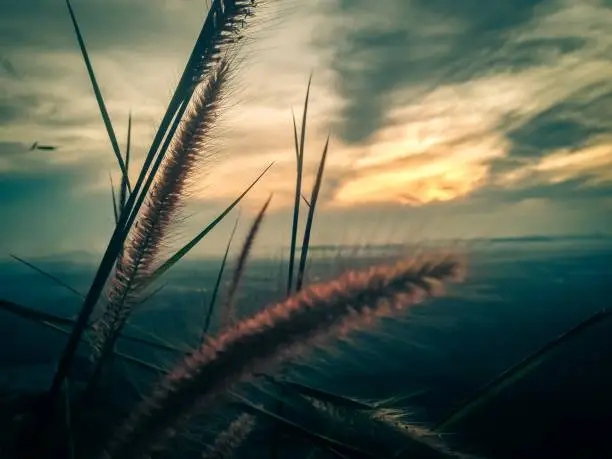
(276,334)
(162,206)
(227,313)
(231,438)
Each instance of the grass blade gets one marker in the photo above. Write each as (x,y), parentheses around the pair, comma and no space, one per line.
(299,151)
(98,94)
(116,210)
(228,309)
(40,317)
(298,187)
(215,292)
(518,371)
(329,444)
(33,314)
(48,276)
(124,182)
(311,210)
(191,244)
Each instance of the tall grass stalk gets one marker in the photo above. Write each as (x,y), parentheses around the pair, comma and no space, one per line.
(138,259)
(299,154)
(223,17)
(123,194)
(228,315)
(322,311)
(114,199)
(215,293)
(518,371)
(94,83)
(312,205)
(167,197)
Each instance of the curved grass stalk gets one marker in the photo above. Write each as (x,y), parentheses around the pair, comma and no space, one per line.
(276,334)
(138,259)
(311,210)
(299,154)
(216,36)
(228,314)
(213,298)
(518,371)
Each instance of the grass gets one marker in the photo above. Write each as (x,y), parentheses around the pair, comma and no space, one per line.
(70,420)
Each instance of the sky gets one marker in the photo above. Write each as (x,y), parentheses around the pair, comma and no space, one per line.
(446,119)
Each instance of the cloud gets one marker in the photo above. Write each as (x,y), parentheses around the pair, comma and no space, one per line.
(382,50)
(580,119)
(388,56)
(107,24)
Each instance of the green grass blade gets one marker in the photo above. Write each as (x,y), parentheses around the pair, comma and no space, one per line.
(518,371)
(116,210)
(298,186)
(311,210)
(227,311)
(98,94)
(33,314)
(191,244)
(48,276)
(124,182)
(141,363)
(40,317)
(215,293)
(163,346)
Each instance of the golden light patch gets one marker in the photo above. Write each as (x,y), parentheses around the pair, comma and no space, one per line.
(430,184)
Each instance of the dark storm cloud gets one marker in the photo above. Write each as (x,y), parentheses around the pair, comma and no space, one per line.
(106,24)
(571,123)
(426,42)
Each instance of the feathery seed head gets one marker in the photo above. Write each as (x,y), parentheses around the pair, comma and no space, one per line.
(277,333)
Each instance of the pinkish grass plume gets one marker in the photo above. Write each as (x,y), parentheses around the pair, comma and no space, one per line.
(161,208)
(276,334)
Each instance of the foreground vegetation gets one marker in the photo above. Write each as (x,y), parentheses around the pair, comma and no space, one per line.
(201,408)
